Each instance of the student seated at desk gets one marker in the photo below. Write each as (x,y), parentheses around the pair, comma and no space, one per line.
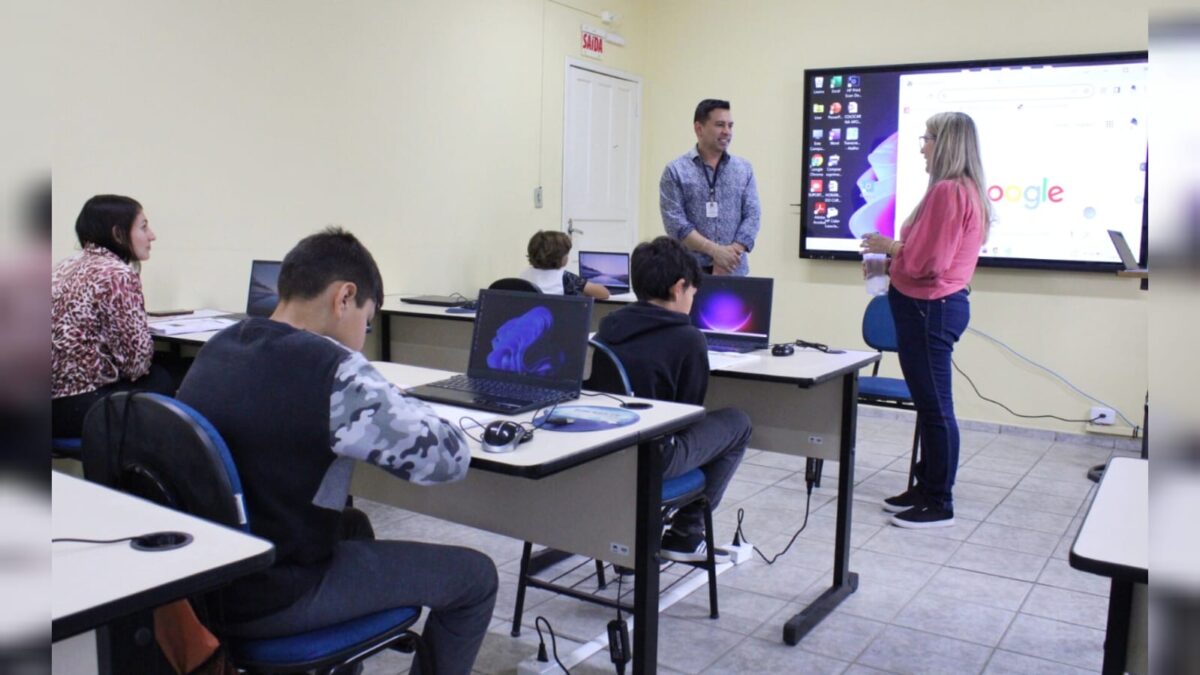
(100,343)
(666,358)
(297,402)
(548,253)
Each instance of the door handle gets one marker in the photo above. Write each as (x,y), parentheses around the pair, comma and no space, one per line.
(571,229)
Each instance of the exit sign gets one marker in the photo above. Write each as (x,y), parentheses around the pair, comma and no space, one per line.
(592,42)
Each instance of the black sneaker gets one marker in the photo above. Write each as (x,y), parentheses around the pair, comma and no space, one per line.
(689,548)
(924,516)
(902,502)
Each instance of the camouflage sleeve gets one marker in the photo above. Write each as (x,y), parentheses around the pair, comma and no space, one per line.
(371,420)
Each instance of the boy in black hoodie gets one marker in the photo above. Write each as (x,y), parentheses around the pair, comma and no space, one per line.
(666,358)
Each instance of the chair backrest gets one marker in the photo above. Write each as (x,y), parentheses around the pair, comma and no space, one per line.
(158,448)
(608,373)
(514,284)
(878,327)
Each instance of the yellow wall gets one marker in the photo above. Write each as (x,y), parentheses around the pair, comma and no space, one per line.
(1089,327)
(244,125)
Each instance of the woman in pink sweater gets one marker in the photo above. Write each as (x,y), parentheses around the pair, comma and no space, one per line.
(930,267)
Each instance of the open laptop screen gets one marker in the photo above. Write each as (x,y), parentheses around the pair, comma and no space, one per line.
(610,270)
(264,287)
(531,338)
(733,306)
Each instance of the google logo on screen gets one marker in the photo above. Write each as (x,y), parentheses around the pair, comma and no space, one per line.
(1032,195)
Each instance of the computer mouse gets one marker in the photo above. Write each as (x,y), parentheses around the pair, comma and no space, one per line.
(783,349)
(504,436)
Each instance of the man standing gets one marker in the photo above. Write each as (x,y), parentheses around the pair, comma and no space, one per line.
(708,198)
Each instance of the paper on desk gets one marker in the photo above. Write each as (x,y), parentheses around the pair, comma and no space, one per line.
(719,360)
(195,314)
(189,325)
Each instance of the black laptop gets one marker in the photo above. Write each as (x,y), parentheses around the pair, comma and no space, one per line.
(610,270)
(264,288)
(528,352)
(734,313)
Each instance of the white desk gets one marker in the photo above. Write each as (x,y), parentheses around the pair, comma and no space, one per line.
(1114,541)
(547,491)
(97,583)
(807,405)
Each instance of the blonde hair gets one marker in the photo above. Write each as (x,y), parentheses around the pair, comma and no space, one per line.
(956,157)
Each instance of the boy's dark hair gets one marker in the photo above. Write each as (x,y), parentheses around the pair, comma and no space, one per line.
(658,264)
(328,256)
(547,248)
(708,105)
(103,214)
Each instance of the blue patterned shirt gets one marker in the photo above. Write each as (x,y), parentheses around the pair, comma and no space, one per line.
(683,193)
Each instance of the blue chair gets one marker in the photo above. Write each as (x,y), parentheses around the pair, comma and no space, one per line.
(609,375)
(161,449)
(879,332)
(66,448)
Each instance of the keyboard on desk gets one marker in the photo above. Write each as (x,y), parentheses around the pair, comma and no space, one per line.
(494,395)
(738,346)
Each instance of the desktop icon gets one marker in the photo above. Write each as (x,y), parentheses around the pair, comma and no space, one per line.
(833,186)
(818,82)
(853,81)
(817,159)
(852,133)
(818,134)
(831,212)
(835,135)
(835,108)
(820,208)
(815,185)
(852,107)
(818,108)
(835,82)
(835,160)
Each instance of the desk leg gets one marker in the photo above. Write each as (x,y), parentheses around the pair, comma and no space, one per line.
(385,336)
(1116,637)
(649,538)
(845,582)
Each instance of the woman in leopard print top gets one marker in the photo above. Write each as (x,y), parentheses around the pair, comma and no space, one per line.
(100,342)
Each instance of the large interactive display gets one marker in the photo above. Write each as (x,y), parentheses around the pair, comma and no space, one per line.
(1063,142)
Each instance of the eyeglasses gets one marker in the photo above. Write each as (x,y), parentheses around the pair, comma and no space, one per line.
(926,139)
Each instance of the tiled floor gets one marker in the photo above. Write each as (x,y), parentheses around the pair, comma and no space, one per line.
(993,594)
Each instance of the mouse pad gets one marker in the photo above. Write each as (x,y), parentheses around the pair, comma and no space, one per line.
(585,418)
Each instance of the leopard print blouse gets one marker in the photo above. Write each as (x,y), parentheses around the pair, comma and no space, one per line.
(98,332)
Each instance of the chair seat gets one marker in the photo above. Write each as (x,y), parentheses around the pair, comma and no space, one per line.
(890,388)
(683,486)
(324,642)
(67,447)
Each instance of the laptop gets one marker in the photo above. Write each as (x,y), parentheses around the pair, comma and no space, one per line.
(1127,257)
(527,352)
(264,287)
(734,313)
(436,300)
(610,270)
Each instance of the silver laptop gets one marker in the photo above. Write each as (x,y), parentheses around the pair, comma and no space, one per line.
(1127,257)
(734,313)
(610,270)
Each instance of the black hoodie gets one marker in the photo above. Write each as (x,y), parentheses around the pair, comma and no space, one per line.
(665,357)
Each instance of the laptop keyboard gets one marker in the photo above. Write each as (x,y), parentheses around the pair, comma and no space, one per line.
(718,345)
(500,389)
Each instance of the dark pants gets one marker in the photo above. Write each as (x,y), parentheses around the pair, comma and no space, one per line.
(715,445)
(457,584)
(67,413)
(926,331)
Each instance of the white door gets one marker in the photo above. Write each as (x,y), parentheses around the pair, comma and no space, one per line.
(601,134)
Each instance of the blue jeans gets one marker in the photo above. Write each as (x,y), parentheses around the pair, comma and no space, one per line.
(926,331)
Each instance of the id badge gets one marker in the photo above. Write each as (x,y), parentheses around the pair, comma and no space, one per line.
(711,209)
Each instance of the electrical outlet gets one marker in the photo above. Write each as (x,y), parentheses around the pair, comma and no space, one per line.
(1101,415)
(531,666)
(741,553)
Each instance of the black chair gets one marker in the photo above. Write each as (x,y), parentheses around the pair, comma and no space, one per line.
(514,284)
(158,448)
(608,375)
(879,332)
